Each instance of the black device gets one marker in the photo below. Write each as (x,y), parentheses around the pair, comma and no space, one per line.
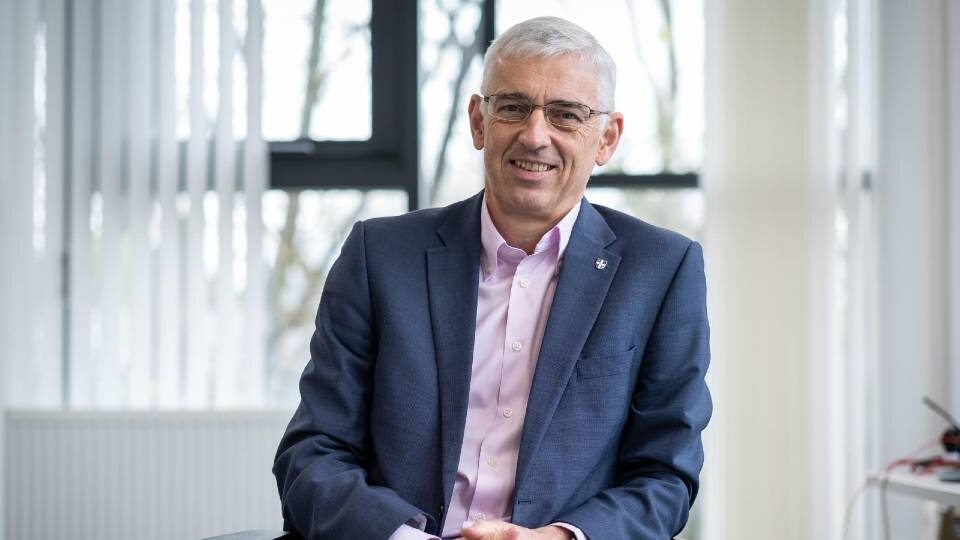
(950,439)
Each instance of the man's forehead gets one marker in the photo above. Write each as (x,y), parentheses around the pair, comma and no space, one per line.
(570,58)
(551,98)
(567,77)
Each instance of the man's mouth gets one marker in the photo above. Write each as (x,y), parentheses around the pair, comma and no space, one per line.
(531,166)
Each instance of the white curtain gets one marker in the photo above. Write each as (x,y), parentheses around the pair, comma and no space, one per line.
(32,237)
(784,239)
(132,171)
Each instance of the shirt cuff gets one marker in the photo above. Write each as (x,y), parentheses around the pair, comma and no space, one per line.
(577,533)
(413,530)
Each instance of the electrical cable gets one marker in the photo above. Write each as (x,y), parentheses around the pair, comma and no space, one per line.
(950,439)
(884,511)
(882,477)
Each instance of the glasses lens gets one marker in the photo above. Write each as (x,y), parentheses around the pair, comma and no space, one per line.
(567,115)
(510,108)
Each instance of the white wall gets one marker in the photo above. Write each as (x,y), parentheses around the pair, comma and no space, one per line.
(913,220)
(953,212)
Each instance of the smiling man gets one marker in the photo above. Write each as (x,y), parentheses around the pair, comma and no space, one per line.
(522,364)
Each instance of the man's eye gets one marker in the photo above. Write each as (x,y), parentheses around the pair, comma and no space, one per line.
(567,115)
(510,107)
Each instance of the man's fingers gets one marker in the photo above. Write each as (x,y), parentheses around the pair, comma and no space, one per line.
(487,530)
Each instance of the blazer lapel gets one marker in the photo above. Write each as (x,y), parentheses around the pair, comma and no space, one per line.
(581,290)
(452,278)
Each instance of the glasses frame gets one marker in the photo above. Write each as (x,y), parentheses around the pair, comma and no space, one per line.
(534,106)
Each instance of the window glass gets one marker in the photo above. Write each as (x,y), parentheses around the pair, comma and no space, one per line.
(316,64)
(303,233)
(450,69)
(680,210)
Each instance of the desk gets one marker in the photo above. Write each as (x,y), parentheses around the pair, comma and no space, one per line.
(925,486)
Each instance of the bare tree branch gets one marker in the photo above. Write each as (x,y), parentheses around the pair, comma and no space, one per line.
(314,79)
(318,275)
(285,251)
(671,46)
(428,73)
(638,47)
(667,124)
(302,313)
(664,98)
(467,54)
(466,57)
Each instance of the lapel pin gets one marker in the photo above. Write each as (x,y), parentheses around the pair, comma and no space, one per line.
(600,264)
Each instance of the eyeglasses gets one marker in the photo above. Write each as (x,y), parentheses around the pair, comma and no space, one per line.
(565,115)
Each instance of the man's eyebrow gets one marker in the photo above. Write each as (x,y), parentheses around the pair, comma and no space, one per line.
(521,95)
(564,102)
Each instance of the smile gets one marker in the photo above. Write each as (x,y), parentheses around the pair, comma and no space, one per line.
(531,166)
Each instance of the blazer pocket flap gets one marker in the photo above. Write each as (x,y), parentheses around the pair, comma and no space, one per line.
(607,364)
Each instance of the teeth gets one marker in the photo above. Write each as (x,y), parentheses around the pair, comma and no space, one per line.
(531,166)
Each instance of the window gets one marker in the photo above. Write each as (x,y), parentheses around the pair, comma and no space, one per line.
(317,70)
(308,215)
(188,282)
(387,157)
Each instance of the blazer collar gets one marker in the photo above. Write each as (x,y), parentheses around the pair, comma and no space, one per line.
(592,226)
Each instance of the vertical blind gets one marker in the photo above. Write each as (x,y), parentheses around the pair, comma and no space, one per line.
(132,172)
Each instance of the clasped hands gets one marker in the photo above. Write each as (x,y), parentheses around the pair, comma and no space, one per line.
(501,530)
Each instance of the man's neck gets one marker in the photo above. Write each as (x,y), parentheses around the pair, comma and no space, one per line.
(522,232)
(524,238)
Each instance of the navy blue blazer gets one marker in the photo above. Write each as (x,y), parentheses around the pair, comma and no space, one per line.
(611,440)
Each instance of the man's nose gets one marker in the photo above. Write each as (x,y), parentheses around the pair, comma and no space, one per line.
(535,130)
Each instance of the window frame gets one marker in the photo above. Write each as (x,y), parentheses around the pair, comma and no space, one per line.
(390,158)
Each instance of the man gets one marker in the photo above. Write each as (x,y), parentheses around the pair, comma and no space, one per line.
(521,364)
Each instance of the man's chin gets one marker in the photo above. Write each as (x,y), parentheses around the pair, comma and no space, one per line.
(531,206)
(526,202)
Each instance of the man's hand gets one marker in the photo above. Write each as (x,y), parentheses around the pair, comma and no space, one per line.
(501,530)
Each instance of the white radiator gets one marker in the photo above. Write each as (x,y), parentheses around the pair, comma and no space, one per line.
(139,475)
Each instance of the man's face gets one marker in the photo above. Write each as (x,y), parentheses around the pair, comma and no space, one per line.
(534,170)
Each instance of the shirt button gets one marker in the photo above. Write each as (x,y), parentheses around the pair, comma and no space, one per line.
(481,516)
(516,345)
(508,412)
(524,283)
(492,462)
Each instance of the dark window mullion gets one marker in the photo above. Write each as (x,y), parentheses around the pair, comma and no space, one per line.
(389,159)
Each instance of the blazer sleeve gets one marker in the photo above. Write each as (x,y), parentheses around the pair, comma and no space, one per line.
(324,487)
(661,452)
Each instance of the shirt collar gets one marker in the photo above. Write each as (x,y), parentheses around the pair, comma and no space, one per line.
(492,240)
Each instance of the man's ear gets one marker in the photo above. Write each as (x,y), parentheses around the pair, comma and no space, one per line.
(610,138)
(476,121)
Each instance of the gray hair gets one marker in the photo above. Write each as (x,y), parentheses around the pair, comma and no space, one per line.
(545,37)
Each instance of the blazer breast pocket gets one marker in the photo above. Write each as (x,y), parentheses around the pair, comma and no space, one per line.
(605,365)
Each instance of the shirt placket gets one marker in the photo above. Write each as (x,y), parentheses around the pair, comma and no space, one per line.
(498,456)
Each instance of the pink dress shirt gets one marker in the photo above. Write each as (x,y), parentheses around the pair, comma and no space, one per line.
(513,302)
